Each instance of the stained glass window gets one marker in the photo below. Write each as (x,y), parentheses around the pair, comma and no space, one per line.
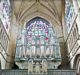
(69,14)
(79,3)
(39,39)
(5,13)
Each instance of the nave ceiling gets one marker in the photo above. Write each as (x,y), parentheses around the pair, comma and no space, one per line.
(51,10)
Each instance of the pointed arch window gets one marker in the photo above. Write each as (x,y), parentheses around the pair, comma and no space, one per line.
(40,39)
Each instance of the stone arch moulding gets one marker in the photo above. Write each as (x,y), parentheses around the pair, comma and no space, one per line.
(39,12)
(76,64)
(50,20)
(55,24)
(30,18)
(47,17)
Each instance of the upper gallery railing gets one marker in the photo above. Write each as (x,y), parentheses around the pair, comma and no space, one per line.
(50,72)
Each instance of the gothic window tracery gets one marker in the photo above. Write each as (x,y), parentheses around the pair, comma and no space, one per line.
(39,39)
(69,14)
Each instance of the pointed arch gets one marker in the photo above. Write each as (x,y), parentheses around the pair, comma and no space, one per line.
(76,64)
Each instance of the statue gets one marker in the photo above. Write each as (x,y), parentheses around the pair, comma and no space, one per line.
(37,68)
(44,66)
(30,67)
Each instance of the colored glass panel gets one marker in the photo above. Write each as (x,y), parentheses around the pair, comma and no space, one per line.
(40,38)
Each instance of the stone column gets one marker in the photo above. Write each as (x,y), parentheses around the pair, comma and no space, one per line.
(12,45)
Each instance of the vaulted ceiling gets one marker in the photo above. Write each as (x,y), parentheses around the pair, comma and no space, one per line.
(25,10)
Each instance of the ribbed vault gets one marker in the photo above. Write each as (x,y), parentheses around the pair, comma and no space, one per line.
(51,10)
